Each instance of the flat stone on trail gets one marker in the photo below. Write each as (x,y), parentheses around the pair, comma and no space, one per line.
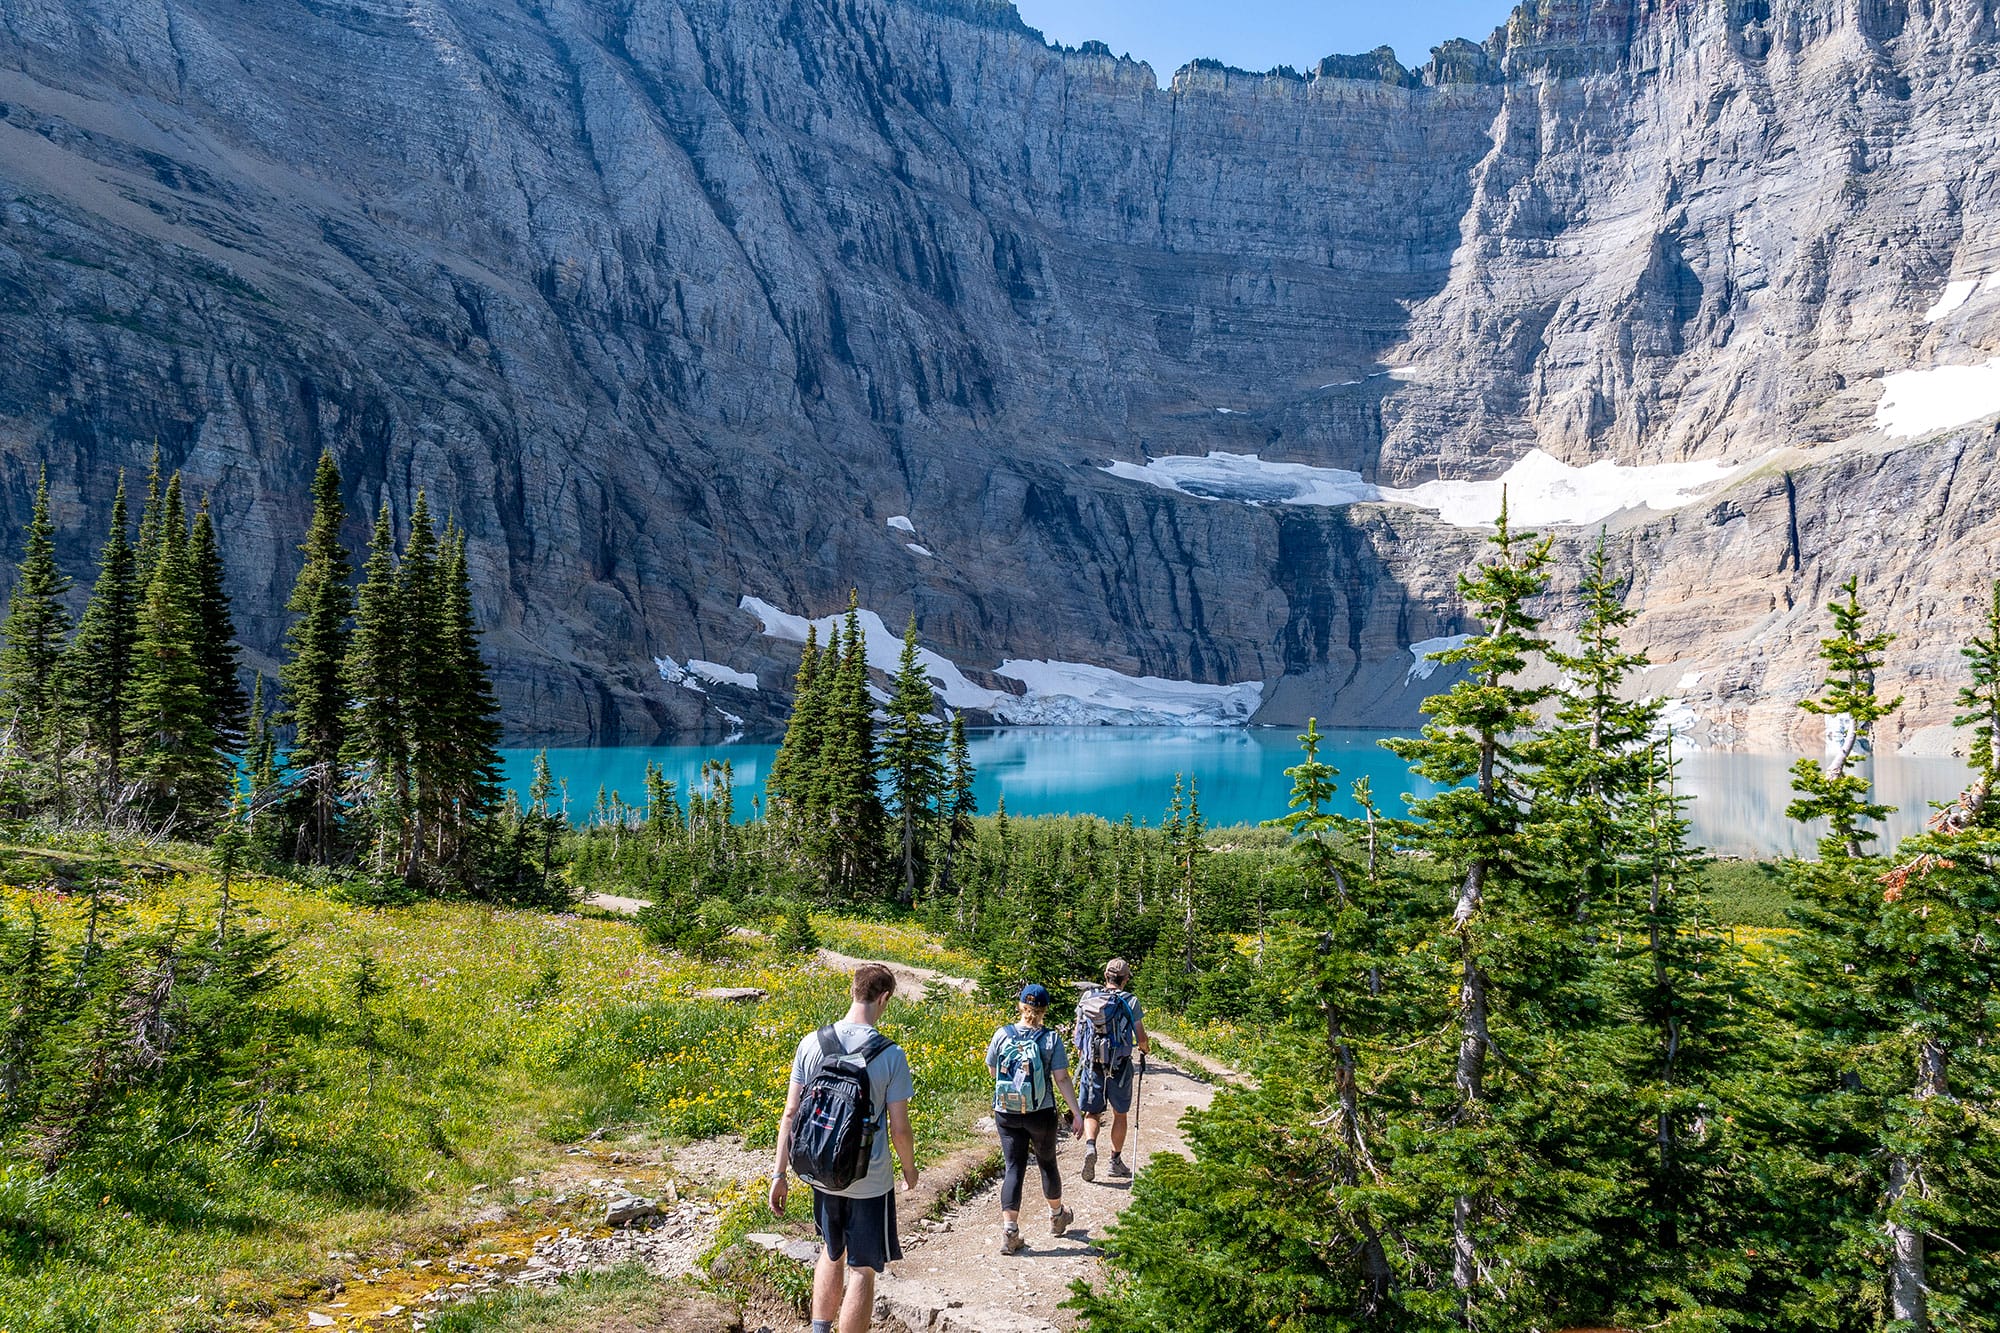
(793,1248)
(623,1212)
(731,994)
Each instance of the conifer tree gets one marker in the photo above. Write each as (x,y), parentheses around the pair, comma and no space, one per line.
(1852,708)
(97,669)
(848,794)
(957,804)
(1594,763)
(467,772)
(175,758)
(1980,700)
(147,549)
(315,702)
(912,757)
(426,680)
(1477,831)
(790,783)
(36,628)
(374,676)
(216,650)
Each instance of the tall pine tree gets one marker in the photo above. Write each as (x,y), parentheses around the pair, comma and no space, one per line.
(1478,831)
(374,675)
(97,670)
(913,760)
(315,700)
(176,759)
(216,648)
(467,776)
(35,632)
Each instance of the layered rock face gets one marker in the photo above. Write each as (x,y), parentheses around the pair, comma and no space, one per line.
(677,302)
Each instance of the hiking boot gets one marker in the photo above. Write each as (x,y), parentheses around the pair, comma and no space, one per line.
(1060,1222)
(1119,1170)
(1089,1162)
(1012,1241)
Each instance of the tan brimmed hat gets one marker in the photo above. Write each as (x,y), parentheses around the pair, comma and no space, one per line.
(1118,972)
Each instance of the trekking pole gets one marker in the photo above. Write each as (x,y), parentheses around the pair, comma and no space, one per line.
(1138,1096)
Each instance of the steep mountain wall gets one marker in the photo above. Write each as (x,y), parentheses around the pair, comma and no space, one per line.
(677,302)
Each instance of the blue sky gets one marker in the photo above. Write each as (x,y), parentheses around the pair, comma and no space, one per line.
(1257,34)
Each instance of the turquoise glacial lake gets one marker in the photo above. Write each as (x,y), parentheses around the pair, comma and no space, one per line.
(1738,807)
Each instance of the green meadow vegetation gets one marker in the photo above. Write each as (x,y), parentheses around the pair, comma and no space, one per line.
(286,980)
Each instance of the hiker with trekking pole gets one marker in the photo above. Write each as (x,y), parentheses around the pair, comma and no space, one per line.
(1110,1031)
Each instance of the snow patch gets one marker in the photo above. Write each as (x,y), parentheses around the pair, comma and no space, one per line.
(901,523)
(1542,491)
(1228,412)
(920,550)
(674,673)
(1341,384)
(1425,666)
(1056,693)
(1917,402)
(698,676)
(717,674)
(1958,292)
(1689,680)
(1060,693)
(1677,718)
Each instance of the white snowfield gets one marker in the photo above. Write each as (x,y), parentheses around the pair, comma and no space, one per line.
(697,675)
(1960,291)
(1424,667)
(1917,402)
(1057,693)
(1542,491)
(901,523)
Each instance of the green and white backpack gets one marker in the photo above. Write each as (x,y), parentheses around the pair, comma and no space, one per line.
(1021,1083)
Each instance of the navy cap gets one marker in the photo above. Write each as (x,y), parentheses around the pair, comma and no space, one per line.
(1035,993)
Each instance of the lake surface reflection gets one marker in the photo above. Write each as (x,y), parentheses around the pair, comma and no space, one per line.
(1738,810)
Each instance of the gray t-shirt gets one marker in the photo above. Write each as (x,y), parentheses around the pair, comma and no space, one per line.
(1055,1055)
(889,1082)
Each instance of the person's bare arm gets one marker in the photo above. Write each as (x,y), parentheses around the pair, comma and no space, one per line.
(905,1140)
(781,1164)
(1067,1087)
(1141,1038)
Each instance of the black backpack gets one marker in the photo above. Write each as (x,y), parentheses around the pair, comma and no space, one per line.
(834,1135)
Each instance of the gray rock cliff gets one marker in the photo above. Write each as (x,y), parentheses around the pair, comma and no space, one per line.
(676,302)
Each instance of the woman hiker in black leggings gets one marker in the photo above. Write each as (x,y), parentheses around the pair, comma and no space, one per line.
(1030,1065)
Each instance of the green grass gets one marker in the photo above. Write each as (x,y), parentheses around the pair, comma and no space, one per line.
(503,1035)
(895,942)
(1748,893)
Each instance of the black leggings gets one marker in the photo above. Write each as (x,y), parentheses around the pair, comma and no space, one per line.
(1022,1135)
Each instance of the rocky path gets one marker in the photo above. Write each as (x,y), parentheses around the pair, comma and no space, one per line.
(953,1278)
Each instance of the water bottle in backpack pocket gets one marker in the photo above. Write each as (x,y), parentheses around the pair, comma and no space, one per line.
(1021,1075)
(833,1138)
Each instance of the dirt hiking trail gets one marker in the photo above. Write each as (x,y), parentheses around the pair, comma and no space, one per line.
(952,1277)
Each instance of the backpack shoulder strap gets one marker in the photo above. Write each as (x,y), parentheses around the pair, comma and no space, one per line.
(829,1043)
(874,1047)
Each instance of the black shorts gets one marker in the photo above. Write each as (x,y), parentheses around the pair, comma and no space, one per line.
(860,1231)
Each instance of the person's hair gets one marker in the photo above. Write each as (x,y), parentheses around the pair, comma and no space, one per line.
(1031,1014)
(873,982)
(1118,973)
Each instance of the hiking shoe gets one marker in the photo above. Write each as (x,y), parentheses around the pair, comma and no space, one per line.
(1060,1222)
(1118,1168)
(1012,1241)
(1089,1162)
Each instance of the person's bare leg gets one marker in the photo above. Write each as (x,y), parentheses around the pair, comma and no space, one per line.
(857,1312)
(1119,1121)
(1091,1124)
(829,1275)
